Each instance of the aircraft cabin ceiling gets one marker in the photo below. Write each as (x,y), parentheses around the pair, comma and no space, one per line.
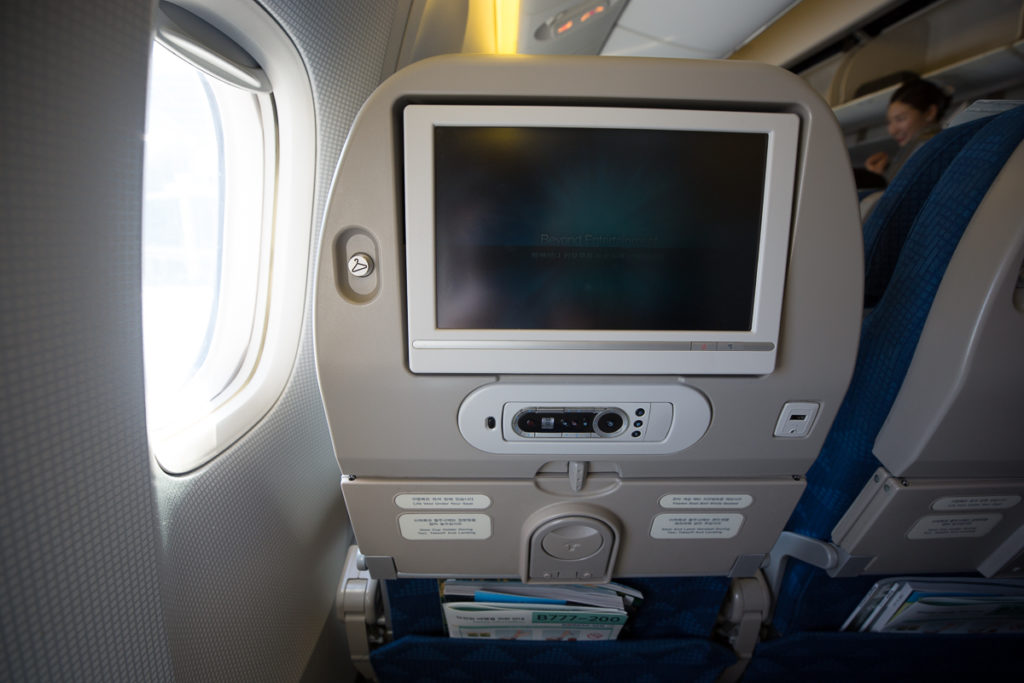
(777,32)
(780,32)
(846,49)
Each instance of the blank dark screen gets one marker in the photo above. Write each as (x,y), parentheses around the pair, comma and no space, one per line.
(597,229)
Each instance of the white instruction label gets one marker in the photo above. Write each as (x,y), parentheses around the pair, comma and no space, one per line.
(444,526)
(975,503)
(934,527)
(690,501)
(442,501)
(675,526)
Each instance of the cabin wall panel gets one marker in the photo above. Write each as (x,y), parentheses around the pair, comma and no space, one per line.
(79,586)
(253,544)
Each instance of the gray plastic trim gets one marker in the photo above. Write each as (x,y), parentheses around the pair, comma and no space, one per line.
(683,419)
(206,48)
(540,561)
(958,411)
(519,507)
(937,525)
(1006,561)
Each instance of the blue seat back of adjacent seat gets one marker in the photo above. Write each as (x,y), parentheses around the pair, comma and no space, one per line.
(889,337)
(887,226)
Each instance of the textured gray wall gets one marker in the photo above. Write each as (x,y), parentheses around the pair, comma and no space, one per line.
(233,578)
(79,595)
(253,543)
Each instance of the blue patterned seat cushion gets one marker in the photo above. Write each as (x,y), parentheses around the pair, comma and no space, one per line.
(887,227)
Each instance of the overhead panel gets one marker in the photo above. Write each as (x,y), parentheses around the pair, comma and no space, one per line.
(807,26)
(696,29)
(569,27)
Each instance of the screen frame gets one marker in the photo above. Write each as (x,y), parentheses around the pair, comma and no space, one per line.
(594,352)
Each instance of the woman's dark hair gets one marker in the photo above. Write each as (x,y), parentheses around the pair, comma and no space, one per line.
(921,94)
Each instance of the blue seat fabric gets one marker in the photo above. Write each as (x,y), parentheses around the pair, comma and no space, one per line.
(888,339)
(885,658)
(423,659)
(666,639)
(886,228)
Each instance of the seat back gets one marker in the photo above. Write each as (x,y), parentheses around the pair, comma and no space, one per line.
(436,479)
(889,340)
(948,497)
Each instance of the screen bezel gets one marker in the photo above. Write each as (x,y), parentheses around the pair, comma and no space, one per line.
(554,351)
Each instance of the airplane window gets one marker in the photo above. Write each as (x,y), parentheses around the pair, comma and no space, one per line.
(228,181)
(181,225)
(203,179)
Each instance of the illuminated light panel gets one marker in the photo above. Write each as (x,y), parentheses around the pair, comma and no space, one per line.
(570,24)
(506,26)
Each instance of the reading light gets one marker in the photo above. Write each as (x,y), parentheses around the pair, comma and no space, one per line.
(589,13)
(569,20)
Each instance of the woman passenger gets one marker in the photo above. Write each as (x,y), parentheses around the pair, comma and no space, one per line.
(914,113)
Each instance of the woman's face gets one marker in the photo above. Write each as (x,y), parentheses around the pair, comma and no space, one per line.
(905,121)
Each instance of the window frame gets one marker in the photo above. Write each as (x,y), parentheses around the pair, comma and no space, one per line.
(209,427)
